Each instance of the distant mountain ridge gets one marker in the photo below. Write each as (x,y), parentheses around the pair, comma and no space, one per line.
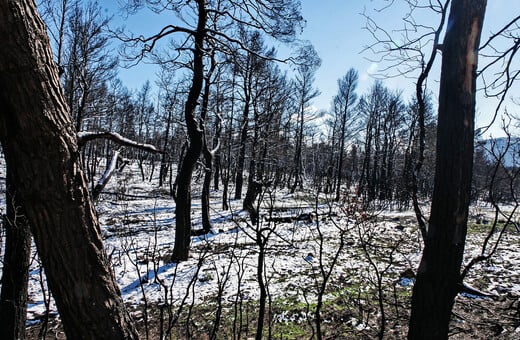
(494,147)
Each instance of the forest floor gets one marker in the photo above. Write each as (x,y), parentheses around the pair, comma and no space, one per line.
(367,258)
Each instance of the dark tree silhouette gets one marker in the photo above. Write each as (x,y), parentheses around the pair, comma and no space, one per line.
(343,103)
(15,271)
(438,277)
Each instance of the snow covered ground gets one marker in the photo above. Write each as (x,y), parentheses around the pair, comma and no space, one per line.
(139,229)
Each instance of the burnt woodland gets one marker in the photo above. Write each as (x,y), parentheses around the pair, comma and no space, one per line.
(216,201)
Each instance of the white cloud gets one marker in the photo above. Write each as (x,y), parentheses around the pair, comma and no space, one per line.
(372,69)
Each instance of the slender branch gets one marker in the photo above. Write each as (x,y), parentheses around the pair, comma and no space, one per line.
(506,27)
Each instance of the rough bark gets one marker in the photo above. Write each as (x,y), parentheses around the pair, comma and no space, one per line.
(438,276)
(15,271)
(39,142)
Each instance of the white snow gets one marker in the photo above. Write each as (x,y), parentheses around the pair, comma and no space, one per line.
(139,233)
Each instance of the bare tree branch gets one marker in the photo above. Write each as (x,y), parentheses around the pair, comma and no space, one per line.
(86,136)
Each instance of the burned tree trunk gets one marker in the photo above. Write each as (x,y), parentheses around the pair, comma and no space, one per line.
(207,154)
(254,189)
(239,177)
(438,276)
(195,135)
(15,271)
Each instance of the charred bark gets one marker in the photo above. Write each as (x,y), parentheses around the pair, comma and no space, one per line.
(195,136)
(254,189)
(207,154)
(239,177)
(438,277)
(15,271)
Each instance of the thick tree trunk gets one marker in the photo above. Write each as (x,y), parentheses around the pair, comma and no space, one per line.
(39,142)
(438,276)
(183,201)
(254,189)
(15,272)
(195,135)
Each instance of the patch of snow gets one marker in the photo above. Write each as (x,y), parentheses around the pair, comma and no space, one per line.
(139,232)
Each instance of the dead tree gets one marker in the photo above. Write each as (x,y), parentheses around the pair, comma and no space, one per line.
(343,103)
(438,276)
(412,58)
(15,271)
(208,153)
(279,19)
(304,92)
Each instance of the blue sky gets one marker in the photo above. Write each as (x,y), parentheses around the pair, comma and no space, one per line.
(335,28)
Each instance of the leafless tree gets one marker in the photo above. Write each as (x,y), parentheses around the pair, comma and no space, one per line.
(211,28)
(304,93)
(343,103)
(438,276)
